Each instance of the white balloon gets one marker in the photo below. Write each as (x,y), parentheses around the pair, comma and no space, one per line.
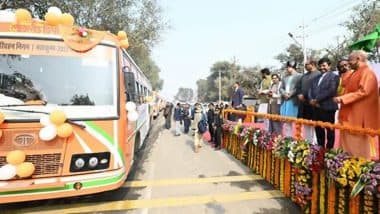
(7,172)
(45,120)
(48,133)
(132,115)
(130,106)
(7,16)
(55,10)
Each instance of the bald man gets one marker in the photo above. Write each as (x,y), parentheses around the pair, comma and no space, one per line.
(361,102)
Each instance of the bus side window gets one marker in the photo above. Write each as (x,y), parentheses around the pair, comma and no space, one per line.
(129,83)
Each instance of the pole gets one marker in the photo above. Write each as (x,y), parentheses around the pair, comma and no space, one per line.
(304,47)
(220,87)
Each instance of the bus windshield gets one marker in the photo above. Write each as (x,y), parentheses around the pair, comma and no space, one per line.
(84,85)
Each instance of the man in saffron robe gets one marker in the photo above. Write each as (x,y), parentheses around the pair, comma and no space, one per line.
(360,102)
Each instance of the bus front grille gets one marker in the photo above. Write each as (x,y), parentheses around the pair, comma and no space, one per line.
(45,164)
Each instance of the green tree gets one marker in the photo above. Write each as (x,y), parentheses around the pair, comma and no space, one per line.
(202,87)
(141,19)
(364,19)
(295,53)
(249,79)
(184,94)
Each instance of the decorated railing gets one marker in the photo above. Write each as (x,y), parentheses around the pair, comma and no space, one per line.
(319,181)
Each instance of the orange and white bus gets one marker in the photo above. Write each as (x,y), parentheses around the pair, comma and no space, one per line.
(65,128)
(138,90)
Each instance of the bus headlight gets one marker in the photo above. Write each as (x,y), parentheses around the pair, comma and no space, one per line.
(93,162)
(79,163)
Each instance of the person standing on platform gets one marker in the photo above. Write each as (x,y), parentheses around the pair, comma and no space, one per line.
(361,103)
(305,110)
(289,106)
(236,99)
(265,86)
(275,127)
(321,95)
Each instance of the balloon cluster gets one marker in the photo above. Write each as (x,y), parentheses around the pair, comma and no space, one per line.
(53,17)
(132,113)
(16,165)
(122,36)
(54,124)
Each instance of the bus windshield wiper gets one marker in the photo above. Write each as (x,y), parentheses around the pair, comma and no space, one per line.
(42,112)
(25,104)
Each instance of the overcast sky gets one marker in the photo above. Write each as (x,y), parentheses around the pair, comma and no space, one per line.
(205,31)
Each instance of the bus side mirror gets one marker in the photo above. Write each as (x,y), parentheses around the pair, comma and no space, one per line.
(129,83)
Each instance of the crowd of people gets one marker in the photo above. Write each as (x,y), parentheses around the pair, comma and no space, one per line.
(349,96)
(351,93)
(202,124)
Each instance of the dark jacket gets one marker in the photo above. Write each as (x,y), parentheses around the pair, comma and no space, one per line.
(325,91)
(218,121)
(168,111)
(177,114)
(210,116)
(237,97)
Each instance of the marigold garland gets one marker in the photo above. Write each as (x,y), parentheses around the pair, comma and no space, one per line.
(274,157)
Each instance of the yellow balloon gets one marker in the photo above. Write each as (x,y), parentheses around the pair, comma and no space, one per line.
(124,43)
(2,117)
(23,16)
(121,35)
(67,19)
(16,157)
(25,170)
(57,117)
(52,18)
(64,130)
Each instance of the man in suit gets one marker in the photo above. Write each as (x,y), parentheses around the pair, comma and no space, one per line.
(321,96)
(305,110)
(236,99)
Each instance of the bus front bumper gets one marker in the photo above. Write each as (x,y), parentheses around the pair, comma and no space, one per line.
(59,187)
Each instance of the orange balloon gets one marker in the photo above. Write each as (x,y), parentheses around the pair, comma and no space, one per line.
(25,170)
(23,16)
(2,117)
(64,130)
(52,19)
(124,43)
(121,35)
(16,157)
(57,117)
(67,19)
(1,133)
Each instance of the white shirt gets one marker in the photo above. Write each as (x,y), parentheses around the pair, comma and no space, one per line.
(320,79)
